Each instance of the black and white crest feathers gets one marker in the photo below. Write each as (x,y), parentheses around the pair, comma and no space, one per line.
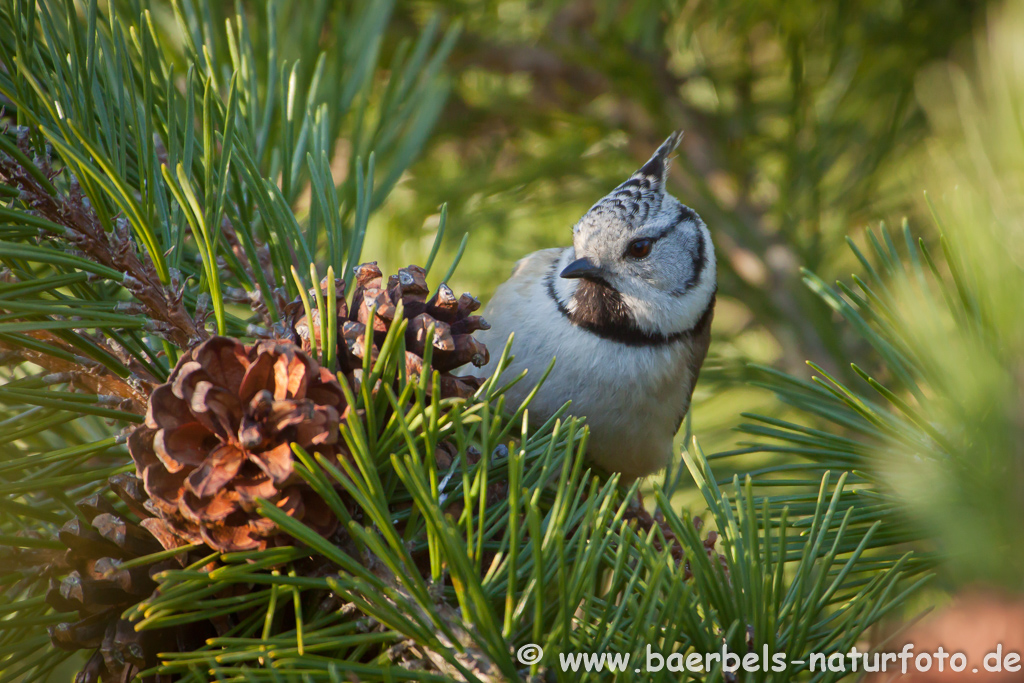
(641,195)
(651,175)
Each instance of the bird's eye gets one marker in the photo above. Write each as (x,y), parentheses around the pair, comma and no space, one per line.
(640,248)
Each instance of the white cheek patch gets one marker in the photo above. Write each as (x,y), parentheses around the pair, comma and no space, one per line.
(660,312)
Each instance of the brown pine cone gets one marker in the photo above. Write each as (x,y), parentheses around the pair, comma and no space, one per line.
(218,436)
(94,586)
(646,522)
(454,324)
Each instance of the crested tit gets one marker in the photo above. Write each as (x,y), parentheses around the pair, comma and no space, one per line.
(625,311)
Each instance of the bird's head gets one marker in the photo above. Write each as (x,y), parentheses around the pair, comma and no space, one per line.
(653,251)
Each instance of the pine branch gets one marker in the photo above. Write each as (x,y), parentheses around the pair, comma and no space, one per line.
(75,223)
(471,663)
(131,394)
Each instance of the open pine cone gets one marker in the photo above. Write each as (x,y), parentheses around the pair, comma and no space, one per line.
(218,436)
(454,324)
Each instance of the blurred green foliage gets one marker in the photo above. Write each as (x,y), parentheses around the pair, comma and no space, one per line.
(973,501)
(801,126)
(933,439)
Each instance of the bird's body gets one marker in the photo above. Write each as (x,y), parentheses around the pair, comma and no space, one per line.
(629,333)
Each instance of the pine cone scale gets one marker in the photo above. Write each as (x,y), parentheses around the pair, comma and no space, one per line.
(215,471)
(277,463)
(256,377)
(291,375)
(185,446)
(165,488)
(166,410)
(223,359)
(204,511)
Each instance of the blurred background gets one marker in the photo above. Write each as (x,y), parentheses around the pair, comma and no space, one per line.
(806,124)
(803,125)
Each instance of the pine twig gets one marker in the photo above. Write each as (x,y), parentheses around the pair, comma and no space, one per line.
(471,657)
(86,373)
(83,231)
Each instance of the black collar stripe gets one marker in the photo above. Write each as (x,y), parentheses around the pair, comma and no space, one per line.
(698,261)
(601,311)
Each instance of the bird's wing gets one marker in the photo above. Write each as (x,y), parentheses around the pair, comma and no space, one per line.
(698,352)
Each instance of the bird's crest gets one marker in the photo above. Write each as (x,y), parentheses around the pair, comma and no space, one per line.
(641,195)
(651,175)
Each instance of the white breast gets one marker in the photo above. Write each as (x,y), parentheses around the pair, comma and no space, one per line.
(632,396)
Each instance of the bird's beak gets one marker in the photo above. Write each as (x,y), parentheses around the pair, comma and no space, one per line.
(581,268)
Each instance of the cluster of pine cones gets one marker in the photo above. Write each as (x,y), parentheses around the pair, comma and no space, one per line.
(218,436)
(375,306)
